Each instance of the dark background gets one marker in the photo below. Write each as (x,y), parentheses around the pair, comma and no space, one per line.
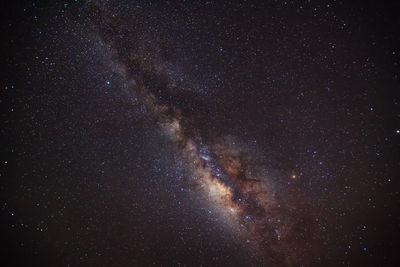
(87,178)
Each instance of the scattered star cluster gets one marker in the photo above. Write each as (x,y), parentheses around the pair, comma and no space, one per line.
(190,133)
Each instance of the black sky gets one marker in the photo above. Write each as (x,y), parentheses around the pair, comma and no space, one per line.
(294,103)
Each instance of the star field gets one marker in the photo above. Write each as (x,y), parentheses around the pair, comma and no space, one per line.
(228,133)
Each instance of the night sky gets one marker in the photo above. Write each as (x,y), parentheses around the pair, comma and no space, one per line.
(188,133)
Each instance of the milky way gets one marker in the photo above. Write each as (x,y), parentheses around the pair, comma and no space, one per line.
(229,175)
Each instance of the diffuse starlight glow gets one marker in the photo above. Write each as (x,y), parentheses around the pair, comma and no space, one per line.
(229,177)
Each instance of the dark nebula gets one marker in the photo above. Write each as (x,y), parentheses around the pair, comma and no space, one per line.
(189,133)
